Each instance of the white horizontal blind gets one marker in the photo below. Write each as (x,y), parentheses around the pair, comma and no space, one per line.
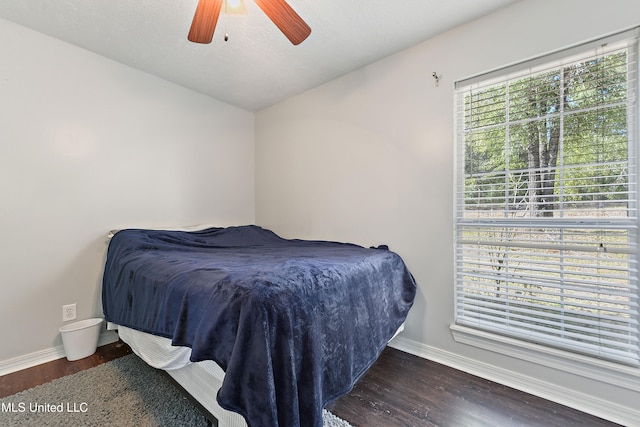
(547,202)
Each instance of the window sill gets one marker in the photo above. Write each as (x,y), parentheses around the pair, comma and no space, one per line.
(608,372)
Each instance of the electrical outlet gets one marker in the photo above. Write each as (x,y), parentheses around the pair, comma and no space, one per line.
(68,312)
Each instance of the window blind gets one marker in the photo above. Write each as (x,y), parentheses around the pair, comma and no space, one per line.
(547,201)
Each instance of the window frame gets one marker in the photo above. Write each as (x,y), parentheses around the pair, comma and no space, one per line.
(592,367)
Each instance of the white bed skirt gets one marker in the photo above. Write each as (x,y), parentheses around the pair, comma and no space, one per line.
(201,380)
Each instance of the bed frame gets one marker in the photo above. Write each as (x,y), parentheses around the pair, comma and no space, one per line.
(199,382)
(212,421)
(201,387)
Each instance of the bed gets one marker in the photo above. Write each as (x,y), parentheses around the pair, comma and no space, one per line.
(291,325)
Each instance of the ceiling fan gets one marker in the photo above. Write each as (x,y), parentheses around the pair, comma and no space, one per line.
(279,11)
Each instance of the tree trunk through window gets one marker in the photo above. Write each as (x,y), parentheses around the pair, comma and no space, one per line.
(544,144)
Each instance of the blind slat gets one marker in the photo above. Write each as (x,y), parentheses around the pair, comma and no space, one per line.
(623,336)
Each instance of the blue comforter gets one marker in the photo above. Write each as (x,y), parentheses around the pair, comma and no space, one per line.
(293,323)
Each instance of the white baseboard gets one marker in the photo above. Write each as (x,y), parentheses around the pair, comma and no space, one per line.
(595,406)
(47,355)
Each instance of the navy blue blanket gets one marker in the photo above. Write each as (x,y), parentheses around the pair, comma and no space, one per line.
(293,323)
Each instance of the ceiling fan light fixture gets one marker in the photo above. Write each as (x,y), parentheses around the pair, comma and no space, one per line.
(235,7)
(278,11)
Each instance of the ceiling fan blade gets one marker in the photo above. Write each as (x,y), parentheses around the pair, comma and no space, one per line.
(286,19)
(204,21)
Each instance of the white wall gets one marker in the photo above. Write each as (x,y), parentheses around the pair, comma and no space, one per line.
(368,158)
(88,145)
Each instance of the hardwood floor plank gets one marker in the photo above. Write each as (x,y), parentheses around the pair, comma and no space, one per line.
(405,390)
(399,390)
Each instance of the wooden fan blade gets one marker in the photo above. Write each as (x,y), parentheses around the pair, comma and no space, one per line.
(286,19)
(204,21)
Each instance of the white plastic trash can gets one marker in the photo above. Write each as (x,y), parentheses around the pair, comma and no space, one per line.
(80,339)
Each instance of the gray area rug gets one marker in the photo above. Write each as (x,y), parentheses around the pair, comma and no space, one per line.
(123,392)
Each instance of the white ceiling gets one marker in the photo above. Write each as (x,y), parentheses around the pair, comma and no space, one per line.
(258,66)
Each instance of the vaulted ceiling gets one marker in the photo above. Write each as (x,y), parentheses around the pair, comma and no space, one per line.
(257,66)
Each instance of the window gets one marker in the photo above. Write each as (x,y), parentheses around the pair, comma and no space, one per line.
(547,201)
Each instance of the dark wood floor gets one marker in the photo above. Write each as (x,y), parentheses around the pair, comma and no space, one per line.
(399,390)
(405,390)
